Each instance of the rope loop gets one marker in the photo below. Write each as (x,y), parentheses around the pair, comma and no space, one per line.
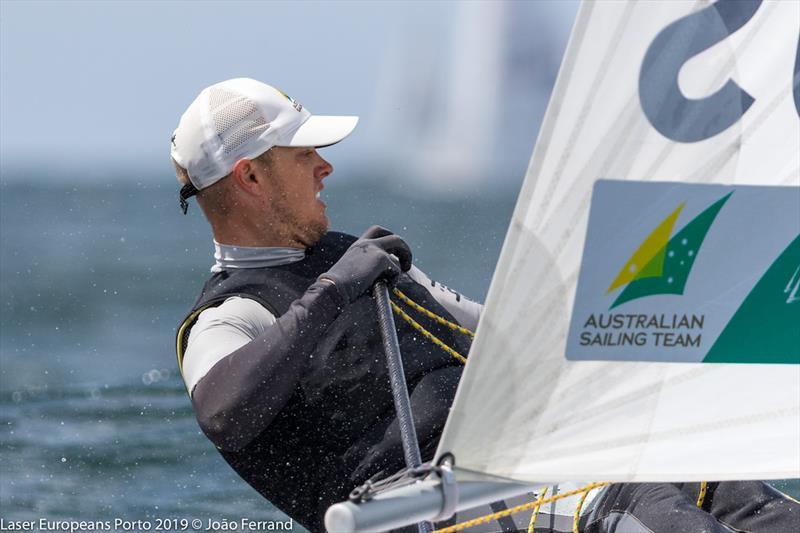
(441,320)
(405,477)
(519,508)
(536,508)
(424,332)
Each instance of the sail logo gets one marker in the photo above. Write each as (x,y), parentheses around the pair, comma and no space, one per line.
(688,273)
(661,265)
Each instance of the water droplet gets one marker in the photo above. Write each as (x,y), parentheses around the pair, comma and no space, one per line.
(684,241)
(632,268)
(669,279)
(691,253)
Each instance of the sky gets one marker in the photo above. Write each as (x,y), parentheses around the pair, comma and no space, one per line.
(91,88)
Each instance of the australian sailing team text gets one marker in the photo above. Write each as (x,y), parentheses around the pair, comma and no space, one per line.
(677,330)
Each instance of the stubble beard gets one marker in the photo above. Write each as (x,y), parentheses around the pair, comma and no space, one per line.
(295,229)
(315,231)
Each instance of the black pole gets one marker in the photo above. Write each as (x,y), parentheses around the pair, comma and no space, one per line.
(397,377)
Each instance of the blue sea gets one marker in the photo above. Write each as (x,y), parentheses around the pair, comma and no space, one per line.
(94,421)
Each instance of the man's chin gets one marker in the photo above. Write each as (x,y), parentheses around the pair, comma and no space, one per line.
(316,231)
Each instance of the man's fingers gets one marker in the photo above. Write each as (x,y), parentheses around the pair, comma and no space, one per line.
(390,243)
(393,244)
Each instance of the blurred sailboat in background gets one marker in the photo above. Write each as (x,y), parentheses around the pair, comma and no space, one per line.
(465,114)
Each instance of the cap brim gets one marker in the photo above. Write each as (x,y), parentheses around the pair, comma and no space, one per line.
(320,131)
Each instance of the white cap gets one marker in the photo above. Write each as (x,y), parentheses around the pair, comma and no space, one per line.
(241,119)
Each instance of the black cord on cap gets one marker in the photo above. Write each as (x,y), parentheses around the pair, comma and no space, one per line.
(187,191)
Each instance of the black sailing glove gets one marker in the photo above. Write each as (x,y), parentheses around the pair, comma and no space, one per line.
(367,261)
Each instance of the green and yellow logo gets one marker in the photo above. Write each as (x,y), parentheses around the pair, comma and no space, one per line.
(297,105)
(661,265)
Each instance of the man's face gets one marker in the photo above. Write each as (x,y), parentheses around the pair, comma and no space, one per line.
(294,184)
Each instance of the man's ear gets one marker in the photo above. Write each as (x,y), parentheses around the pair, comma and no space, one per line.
(248,177)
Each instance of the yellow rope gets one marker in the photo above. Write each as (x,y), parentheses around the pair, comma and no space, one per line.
(411,303)
(536,508)
(702,496)
(427,334)
(535,505)
(517,509)
(577,516)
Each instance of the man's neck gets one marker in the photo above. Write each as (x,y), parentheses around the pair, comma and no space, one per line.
(258,242)
(242,235)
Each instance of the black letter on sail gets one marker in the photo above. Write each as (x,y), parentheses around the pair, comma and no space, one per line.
(668,110)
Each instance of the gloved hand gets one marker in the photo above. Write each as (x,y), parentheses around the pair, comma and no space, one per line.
(368,260)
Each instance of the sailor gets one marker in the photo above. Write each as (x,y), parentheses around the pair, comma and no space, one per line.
(281,353)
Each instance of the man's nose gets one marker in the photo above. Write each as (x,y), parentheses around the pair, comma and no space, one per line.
(323,169)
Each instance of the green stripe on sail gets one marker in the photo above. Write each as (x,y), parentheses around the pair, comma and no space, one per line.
(766,327)
(678,257)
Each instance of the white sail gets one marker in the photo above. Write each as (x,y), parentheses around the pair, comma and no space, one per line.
(657,105)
